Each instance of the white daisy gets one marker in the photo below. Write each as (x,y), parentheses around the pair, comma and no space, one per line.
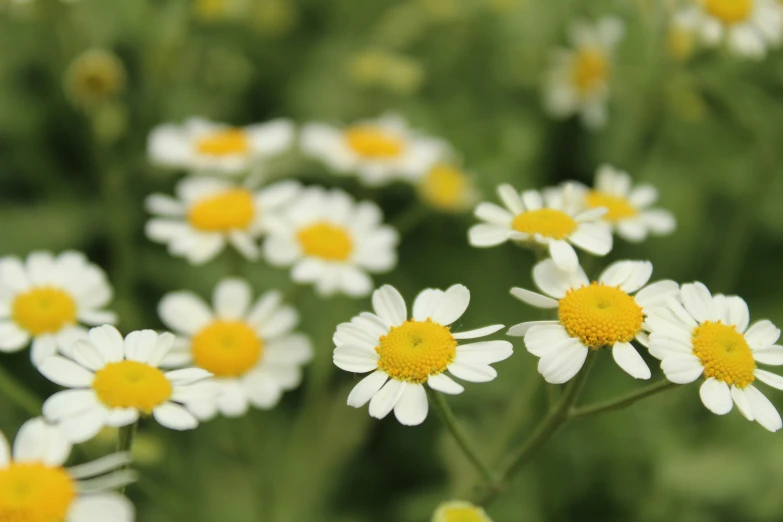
(578,82)
(447,188)
(210,212)
(550,218)
(590,316)
(202,146)
(45,298)
(460,511)
(378,151)
(403,354)
(705,335)
(36,487)
(249,347)
(332,241)
(114,380)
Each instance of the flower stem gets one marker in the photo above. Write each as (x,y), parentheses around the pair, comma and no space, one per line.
(12,388)
(409,219)
(125,441)
(622,402)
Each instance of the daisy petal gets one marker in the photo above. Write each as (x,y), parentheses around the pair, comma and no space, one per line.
(412,408)
(772,379)
(716,396)
(486,352)
(100,507)
(367,388)
(389,305)
(231,298)
(521,329)
(534,299)
(555,281)
(174,416)
(66,373)
(383,402)
(742,402)
(762,334)
(627,358)
(559,367)
(444,384)
(453,304)
(472,372)
(478,332)
(763,410)
(697,300)
(564,255)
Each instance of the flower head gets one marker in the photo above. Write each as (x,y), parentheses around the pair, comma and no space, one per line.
(94,77)
(447,188)
(460,511)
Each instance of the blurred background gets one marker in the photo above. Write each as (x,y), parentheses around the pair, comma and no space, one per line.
(82,84)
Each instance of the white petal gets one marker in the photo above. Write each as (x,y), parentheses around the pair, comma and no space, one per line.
(594,238)
(87,355)
(742,402)
(716,396)
(261,391)
(387,398)
(561,366)
(484,235)
(232,298)
(187,375)
(772,379)
(772,355)
(485,352)
(281,322)
(453,304)
(697,300)
(444,384)
(627,358)
(389,305)
(494,215)
(542,340)
(66,373)
(119,417)
(355,359)
(366,389)
(472,372)
(412,408)
(101,507)
(86,425)
(555,281)
(657,294)
(39,441)
(174,416)
(511,199)
(108,340)
(184,312)
(69,403)
(478,332)
(534,299)
(43,346)
(12,338)
(521,329)
(762,334)
(426,303)
(630,276)
(140,345)
(564,256)
(682,369)
(232,400)
(764,411)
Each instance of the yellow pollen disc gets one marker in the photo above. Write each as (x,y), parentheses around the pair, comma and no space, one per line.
(463,514)
(131,384)
(618,207)
(547,222)
(43,310)
(600,315)
(444,187)
(372,142)
(725,353)
(327,241)
(589,70)
(415,350)
(227,348)
(230,210)
(729,11)
(224,143)
(33,492)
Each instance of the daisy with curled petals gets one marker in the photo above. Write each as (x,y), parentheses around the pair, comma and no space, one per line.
(36,487)
(209,212)
(45,298)
(460,511)
(378,151)
(549,218)
(203,146)
(114,380)
(249,347)
(332,241)
(403,354)
(590,316)
(705,335)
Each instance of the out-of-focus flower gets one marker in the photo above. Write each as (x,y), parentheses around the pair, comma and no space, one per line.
(395,72)
(94,77)
(682,37)
(202,146)
(210,212)
(274,17)
(578,82)
(332,241)
(447,188)
(114,380)
(460,511)
(215,10)
(603,314)
(403,354)
(707,335)
(45,298)
(35,486)
(379,151)
(250,348)
(551,218)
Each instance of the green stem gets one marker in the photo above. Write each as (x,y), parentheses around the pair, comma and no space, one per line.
(409,219)
(125,441)
(622,402)
(12,388)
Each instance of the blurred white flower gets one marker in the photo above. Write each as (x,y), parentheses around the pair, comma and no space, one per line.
(707,335)
(447,188)
(332,241)
(404,354)
(460,511)
(45,298)
(249,347)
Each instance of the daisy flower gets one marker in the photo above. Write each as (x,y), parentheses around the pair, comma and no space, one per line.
(249,347)
(701,335)
(332,241)
(460,511)
(46,298)
(404,354)
(209,212)
(446,188)
(203,146)
(36,487)
(601,314)
(578,82)
(114,380)
(378,151)
(628,207)
(549,218)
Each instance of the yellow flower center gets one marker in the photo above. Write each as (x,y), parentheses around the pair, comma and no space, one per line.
(372,142)
(43,310)
(444,187)
(729,11)
(618,207)
(600,315)
(590,70)
(546,222)
(227,348)
(131,384)
(225,142)
(229,210)
(33,492)
(327,241)
(462,514)
(725,353)
(415,350)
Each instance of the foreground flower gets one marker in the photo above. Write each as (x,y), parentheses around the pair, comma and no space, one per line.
(379,151)
(332,241)
(549,218)
(45,298)
(35,487)
(460,511)
(249,347)
(708,336)
(210,212)
(206,147)
(591,316)
(410,352)
(578,82)
(628,206)
(446,188)
(114,380)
